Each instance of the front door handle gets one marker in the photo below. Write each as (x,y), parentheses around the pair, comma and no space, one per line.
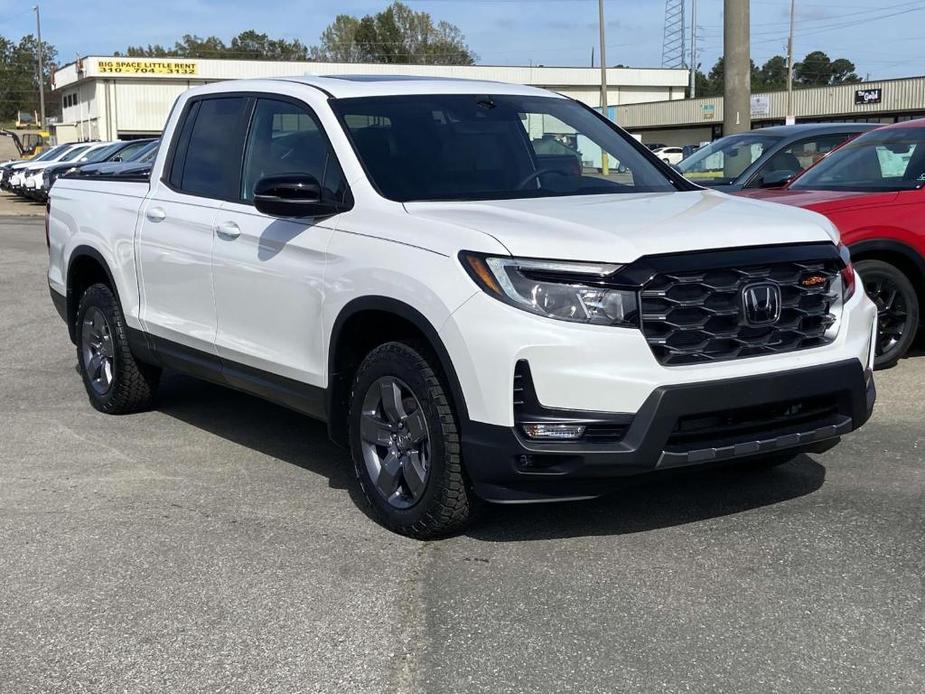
(156,214)
(228,230)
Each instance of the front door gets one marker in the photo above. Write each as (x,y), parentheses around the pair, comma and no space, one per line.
(268,273)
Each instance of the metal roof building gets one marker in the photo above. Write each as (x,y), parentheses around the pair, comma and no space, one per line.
(691,121)
(110,97)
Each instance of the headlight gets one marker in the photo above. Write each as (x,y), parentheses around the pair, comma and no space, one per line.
(847,273)
(570,291)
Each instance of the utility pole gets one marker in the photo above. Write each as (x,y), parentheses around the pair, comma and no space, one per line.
(790,116)
(693,85)
(38,31)
(605,164)
(737,62)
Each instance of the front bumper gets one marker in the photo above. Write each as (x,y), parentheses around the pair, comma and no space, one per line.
(678,426)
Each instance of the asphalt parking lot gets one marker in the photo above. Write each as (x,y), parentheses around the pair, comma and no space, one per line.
(216,544)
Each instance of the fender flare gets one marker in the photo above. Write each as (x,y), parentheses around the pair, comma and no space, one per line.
(84,251)
(418,320)
(891,246)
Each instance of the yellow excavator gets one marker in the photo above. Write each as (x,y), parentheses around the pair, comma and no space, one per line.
(29,144)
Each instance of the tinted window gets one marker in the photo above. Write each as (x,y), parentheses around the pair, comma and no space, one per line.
(285,138)
(470,147)
(212,162)
(726,159)
(799,155)
(881,160)
(50,153)
(74,153)
(149,149)
(127,151)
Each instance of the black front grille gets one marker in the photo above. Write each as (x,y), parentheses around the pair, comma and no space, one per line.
(696,315)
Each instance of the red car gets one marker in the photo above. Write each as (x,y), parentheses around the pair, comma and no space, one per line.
(873,190)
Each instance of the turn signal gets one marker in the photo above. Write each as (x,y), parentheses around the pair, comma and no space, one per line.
(557,432)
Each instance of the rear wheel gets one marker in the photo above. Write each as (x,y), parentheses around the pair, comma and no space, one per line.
(405,444)
(115,382)
(897,309)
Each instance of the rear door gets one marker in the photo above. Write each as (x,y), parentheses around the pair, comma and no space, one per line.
(269,272)
(174,244)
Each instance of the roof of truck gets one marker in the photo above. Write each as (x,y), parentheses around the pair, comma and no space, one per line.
(348,86)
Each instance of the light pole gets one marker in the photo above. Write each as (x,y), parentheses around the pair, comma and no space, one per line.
(790,117)
(737,88)
(693,85)
(605,164)
(38,31)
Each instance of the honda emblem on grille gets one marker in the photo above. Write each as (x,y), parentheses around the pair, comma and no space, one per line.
(761,303)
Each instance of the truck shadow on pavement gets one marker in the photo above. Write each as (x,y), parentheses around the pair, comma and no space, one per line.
(258,425)
(638,504)
(654,501)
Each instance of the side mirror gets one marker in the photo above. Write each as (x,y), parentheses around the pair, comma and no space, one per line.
(776,179)
(292,195)
(118,157)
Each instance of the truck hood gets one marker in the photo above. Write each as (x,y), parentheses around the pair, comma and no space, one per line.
(621,228)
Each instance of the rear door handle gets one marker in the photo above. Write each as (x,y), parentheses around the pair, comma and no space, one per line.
(228,230)
(156,214)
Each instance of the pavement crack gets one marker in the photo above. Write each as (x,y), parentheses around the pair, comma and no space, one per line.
(406,666)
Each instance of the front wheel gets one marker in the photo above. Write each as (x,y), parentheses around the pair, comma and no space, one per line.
(897,309)
(405,444)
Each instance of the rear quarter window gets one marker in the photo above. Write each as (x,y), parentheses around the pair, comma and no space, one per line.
(207,156)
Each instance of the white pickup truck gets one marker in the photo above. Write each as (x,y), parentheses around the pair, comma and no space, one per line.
(475,316)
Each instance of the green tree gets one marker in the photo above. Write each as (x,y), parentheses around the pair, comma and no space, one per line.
(19,78)
(397,35)
(772,76)
(714,83)
(817,70)
(338,41)
(250,44)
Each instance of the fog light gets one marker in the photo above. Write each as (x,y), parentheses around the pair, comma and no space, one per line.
(556,432)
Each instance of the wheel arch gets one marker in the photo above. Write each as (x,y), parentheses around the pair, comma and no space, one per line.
(897,253)
(86,266)
(347,346)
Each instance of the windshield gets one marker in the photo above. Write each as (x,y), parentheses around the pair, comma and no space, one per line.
(49,153)
(101,153)
(145,153)
(469,147)
(881,160)
(724,160)
(74,153)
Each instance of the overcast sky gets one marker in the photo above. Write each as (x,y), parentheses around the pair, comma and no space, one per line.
(882,39)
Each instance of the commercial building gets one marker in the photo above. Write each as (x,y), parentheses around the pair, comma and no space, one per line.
(115,97)
(692,121)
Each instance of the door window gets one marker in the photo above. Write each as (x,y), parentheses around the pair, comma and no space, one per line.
(285,138)
(800,155)
(211,161)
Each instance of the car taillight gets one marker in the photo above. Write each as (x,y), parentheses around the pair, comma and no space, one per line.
(47,215)
(848,282)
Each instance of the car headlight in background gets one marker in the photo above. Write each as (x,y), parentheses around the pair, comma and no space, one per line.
(563,290)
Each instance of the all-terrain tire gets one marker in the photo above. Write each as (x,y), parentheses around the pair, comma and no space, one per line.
(133,384)
(446,503)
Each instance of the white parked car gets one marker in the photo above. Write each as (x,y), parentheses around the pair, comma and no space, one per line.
(473,318)
(669,155)
(22,173)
